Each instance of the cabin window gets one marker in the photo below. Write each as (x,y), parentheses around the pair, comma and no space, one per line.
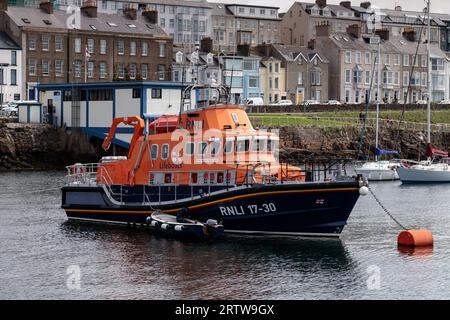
(229,146)
(272,145)
(228,177)
(220,177)
(259,145)
(165,152)
(151,179)
(215,147)
(136,93)
(243,145)
(167,178)
(189,149)
(154,152)
(156,94)
(212,178)
(205,178)
(194,177)
(202,147)
(235,118)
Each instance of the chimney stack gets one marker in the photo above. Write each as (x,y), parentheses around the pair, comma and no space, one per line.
(366,5)
(346,4)
(3,5)
(206,45)
(323,29)
(151,16)
(409,34)
(243,50)
(321,3)
(354,30)
(45,6)
(130,11)
(264,50)
(383,34)
(89,8)
(312,44)
(398,8)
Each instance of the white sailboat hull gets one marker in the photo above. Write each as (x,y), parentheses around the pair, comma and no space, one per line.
(378,171)
(425,174)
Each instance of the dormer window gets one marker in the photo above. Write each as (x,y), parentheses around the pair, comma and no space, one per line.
(209,58)
(112,24)
(179,57)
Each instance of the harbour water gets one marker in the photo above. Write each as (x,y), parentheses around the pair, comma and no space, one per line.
(39,248)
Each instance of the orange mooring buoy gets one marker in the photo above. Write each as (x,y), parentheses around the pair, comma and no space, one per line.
(415,238)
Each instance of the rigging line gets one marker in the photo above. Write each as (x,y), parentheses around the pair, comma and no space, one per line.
(386,210)
(406,97)
(363,129)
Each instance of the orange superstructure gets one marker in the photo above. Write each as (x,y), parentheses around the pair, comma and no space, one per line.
(216,144)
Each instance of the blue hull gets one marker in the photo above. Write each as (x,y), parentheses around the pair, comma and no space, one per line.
(310,209)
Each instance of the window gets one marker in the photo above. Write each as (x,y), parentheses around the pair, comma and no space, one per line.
(90,69)
(358,57)
(77,45)
(120,70)
(144,49)
(13,58)
(132,69)
(300,78)
(132,48)
(59,68)
(189,148)
(387,59)
(101,95)
(104,4)
(156,94)
(315,78)
(45,42)
(32,43)
(357,76)
(32,65)
(103,46)
(162,22)
(144,71)
(229,146)
(396,78)
(243,145)
(13,77)
(368,58)
(396,59)
(90,45)
(202,146)
(253,82)
(262,12)
(406,60)
(161,72)
(102,70)
(136,93)
(424,79)
(162,49)
(348,57)
(277,67)
(368,77)
(405,78)
(59,47)
(45,67)
(154,152)
(249,65)
(164,152)
(348,76)
(120,48)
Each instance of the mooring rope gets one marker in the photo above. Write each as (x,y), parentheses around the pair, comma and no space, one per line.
(386,210)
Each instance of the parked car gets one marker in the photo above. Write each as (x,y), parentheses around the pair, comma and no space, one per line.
(445,102)
(254,102)
(421,102)
(310,102)
(282,103)
(10,109)
(334,102)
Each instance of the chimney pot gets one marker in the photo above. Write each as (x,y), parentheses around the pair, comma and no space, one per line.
(323,29)
(130,11)
(383,34)
(89,8)
(46,6)
(321,3)
(151,16)
(398,8)
(3,5)
(354,30)
(366,5)
(346,4)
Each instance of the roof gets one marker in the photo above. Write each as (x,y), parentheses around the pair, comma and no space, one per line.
(7,43)
(118,23)
(183,3)
(333,7)
(291,53)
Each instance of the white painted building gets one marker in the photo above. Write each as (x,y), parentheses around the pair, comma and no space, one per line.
(91,107)
(10,70)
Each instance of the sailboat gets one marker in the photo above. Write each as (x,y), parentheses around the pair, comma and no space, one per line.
(432,170)
(379,170)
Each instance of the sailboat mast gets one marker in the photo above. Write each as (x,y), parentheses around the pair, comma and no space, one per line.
(429,76)
(378,96)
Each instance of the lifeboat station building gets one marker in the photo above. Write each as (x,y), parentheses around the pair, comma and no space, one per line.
(91,107)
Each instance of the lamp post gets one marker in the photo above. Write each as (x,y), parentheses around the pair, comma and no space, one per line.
(2,68)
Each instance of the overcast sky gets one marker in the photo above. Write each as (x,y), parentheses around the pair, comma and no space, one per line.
(437,6)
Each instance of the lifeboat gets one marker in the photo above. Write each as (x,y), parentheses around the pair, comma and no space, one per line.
(213,163)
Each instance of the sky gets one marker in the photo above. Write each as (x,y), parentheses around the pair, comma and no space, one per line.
(437,6)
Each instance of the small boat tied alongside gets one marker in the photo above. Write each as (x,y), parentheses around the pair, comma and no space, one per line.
(210,161)
(181,226)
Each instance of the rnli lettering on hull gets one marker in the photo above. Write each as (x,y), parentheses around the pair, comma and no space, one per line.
(232,211)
